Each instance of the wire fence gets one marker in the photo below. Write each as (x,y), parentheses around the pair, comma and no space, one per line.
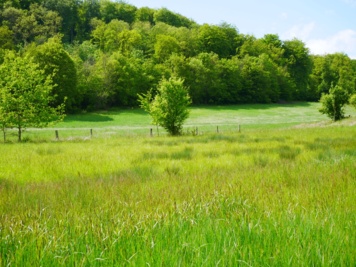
(69,134)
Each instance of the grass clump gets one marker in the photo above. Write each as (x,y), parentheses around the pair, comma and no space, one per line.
(215,199)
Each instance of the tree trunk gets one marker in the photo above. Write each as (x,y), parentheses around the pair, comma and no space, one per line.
(19,133)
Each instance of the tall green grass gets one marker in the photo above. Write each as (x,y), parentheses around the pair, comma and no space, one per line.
(266,197)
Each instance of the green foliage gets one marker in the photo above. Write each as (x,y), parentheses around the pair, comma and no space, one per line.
(126,79)
(333,103)
(332,69)
(217,39)
(129,41)
(55,61)
(87,10)
(218,64)
(260,80)
(48,23)
(34,25)
(25,95)
(352,100)
(299,65)
(108,37)
(68,10)
(203,76)
(211,79)
(6,38)
(145,14)
(110,10)
(169,107)
(165,46)
(166,16)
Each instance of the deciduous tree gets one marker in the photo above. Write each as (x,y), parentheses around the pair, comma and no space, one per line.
(299,65)
(145,14)
(6,38)
(55,61)
(68,10)
(165,46)
(217,39)
(26,95)
(166,16)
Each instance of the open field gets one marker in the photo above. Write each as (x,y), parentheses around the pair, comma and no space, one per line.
(272,195)
(136,122)
(249,116)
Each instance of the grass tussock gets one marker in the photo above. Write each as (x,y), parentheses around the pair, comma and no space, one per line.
(263,198)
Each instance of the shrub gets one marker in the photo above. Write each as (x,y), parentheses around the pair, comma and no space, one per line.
(169,108)
(333,103)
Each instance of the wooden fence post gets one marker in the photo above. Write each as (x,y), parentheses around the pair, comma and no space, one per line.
(151,132)
(239,128)
(217,129)
(91,133)
(57,135)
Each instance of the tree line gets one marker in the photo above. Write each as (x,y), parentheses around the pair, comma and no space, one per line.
(102,54)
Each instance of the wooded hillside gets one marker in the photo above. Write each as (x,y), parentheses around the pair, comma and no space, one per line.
(103,54)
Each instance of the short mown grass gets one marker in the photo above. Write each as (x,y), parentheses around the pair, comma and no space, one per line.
(265,197)
(202,120)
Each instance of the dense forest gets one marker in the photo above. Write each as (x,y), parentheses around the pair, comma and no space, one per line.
(103,53)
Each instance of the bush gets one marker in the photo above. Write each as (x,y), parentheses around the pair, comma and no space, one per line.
(169,108)
(333,103)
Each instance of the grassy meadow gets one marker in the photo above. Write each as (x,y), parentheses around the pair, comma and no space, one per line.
(280,193)
(136,122)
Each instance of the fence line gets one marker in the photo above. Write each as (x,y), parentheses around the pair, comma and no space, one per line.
(63,134)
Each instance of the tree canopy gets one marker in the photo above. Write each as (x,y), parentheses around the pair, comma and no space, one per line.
(102,53)
(55,61)
(25,95)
